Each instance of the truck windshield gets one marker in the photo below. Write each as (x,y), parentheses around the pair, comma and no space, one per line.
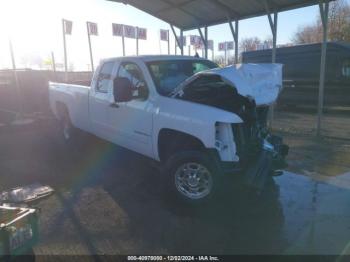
(167,75)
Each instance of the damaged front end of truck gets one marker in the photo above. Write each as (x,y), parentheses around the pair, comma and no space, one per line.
(248,91)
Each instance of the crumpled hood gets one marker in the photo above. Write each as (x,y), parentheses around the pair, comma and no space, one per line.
(263,82)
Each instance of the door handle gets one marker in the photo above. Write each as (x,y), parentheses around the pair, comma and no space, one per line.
(114,105)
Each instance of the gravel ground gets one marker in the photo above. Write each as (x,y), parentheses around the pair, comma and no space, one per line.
(111,201)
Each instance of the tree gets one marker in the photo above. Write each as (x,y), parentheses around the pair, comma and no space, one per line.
(339,21)
(308,34)
(338,26)
(31,60)
(249,44)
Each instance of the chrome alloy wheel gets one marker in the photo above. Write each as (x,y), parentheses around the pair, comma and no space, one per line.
(193,180)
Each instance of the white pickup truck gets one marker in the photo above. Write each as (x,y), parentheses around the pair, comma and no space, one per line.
(199,121)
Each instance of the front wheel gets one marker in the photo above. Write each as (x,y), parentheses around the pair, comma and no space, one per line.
(193,176)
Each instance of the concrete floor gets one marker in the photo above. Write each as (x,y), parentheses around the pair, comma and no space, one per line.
(111,201)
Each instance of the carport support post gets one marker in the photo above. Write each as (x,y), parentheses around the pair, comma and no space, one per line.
(212,52)
(273,58)
(234,32)
(324,7)
(204,40)
(274,36)
(53,65)
(53,62)
(18,90)
(123,42)
(273,25)
(177,40)
(181,44)
(65,51)
(175,47)
(168,43)
(137,41)
(90,48)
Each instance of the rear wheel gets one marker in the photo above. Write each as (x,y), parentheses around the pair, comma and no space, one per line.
(67,130)
(192,176)
(71,136)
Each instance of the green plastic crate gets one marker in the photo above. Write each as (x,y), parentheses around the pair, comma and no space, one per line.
(18,230)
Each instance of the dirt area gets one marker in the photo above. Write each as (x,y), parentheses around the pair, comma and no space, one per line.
(332,126)
(112,201)
(328,155)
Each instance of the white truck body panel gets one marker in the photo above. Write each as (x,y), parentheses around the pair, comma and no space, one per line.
(136,124)
(190,118)
(76,98)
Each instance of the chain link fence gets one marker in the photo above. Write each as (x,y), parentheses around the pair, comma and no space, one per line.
(296,110)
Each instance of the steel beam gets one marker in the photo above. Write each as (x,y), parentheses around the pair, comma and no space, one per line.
(206,42)
(204,39)
(273,25)
(181,44)
(234,32)
(65,51)
(274,36)
(90,47)
(18,89)
(273,21)
(324,8)
(179,40)
(176,38)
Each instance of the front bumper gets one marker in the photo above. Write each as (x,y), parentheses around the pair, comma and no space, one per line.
(270,158)
(278,150)
(255,168)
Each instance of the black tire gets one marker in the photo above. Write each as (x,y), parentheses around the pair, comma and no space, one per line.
(68,131)
(73,138)
(182,167)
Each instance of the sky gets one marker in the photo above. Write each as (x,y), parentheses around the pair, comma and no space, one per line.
(35,30)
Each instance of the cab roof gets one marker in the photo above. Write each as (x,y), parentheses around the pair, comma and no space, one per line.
(150,58)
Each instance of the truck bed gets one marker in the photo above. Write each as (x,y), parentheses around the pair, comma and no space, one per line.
(75,98)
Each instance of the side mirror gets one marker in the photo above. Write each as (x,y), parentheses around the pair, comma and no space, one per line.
(122,89)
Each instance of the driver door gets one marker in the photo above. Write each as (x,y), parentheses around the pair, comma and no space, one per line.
(132,121)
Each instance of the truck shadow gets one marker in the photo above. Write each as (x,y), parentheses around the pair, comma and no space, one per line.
(131,190)
(111,201)
(237,222)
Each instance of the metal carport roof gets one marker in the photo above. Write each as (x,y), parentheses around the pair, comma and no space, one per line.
(191,14)
(194,14)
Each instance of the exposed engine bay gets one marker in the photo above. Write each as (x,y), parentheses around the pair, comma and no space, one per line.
(253,142)
(211,90)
